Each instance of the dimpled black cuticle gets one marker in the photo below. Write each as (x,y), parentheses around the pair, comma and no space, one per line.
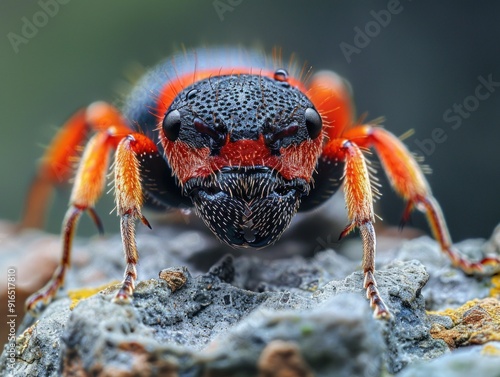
(242,106)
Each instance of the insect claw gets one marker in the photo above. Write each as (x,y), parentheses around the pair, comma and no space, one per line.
(37,302)
(33,305)
(121,298)
(381,311)
(402,224)
(492,262)
(406,218)
(346,231)
(96,219)
(146,222)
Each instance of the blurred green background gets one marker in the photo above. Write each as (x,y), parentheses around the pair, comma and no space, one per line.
(425,59)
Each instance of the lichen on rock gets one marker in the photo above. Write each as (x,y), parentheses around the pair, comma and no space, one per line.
(475,322)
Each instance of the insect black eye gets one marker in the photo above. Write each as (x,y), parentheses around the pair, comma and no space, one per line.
(281,75)
(172,125)
(314,123)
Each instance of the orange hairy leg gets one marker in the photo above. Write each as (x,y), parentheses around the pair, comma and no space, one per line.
(55,167)
(359,203)
(129,200)
(59,159)
(89,180)
(408,180)
(89,183)
(332,98)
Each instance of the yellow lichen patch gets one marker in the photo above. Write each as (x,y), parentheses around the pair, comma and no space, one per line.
(79,294)
(476,322)
(495,289)
(491,350)
(455,314)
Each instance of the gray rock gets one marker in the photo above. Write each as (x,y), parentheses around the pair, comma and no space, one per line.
(407,333)
(339,330)
(473,361)
(210,326)
(246,313)
(202,329)
(448,287)
(38,348)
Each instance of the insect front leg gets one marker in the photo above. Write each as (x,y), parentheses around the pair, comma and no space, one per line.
(129,198)
(359,203)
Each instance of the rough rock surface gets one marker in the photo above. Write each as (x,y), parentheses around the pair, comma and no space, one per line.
(251,314)
(474,361)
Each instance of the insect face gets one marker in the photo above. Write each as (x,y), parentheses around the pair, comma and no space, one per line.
(243,148)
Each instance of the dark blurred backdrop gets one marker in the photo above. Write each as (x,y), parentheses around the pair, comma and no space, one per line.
(411,67)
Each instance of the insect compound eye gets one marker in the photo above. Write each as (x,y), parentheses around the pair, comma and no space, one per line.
(314,123)
(172,125)
(281,75)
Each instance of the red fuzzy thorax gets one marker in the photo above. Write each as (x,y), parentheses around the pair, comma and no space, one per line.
(296,161)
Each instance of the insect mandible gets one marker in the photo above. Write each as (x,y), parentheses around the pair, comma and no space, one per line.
(243,141)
